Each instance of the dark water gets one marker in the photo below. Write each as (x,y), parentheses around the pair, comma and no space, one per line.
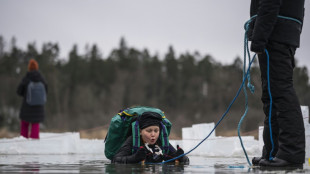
(99,164)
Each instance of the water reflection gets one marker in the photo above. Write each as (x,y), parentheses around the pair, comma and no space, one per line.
(99,164)
(33,167)
(138,168)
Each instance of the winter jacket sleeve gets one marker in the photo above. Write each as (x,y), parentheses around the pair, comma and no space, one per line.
(22,87)
(124,155)
(264,23)
(45,85)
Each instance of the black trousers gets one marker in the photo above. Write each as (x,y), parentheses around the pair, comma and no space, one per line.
(288,130)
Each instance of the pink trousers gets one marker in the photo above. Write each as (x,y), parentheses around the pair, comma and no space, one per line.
(24,129)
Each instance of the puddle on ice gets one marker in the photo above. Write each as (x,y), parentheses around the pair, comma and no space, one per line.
(99,164)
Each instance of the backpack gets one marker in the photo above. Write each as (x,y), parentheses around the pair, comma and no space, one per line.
(125,124)
(36,94)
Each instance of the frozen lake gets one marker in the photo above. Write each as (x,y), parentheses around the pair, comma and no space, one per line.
(99,164)
(68,153)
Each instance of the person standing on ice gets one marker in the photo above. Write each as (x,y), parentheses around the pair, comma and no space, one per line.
(33,89)
(277,28)
(150,152)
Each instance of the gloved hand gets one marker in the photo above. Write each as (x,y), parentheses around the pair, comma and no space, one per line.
(154,158)
(179,151)
(149,156)
(140,155)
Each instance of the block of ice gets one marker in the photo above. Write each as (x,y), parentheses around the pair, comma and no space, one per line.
(187,133)
(51,143)
(202,130)
(305,112)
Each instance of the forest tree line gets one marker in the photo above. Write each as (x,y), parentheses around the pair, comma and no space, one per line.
(87,90)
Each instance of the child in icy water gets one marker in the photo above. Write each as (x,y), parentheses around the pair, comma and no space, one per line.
(151,151)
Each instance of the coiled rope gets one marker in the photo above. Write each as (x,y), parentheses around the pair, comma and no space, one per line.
(250,86)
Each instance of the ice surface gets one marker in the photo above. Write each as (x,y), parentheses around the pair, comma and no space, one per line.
(71,143)
(214,146)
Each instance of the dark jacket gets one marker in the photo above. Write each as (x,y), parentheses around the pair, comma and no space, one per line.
(267,26)
(125,156)
(33,114)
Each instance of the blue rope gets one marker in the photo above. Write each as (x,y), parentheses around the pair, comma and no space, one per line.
(223,116)
(289,18)
(251,87)
(270,107)
(279,16)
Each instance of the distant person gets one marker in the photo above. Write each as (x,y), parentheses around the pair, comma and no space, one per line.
(277,28)
(33,89)
(151,150)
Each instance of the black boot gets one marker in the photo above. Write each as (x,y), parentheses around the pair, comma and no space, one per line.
(256,160)
(277,162)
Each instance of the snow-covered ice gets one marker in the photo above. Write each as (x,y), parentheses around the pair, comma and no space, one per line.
(71,143)
(52,143)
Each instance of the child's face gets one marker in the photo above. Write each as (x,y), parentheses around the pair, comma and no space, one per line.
(150,134)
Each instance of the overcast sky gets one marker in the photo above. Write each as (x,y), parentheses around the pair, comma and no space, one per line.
(212,27)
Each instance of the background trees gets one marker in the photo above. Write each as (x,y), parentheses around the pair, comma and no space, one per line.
(86,90)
